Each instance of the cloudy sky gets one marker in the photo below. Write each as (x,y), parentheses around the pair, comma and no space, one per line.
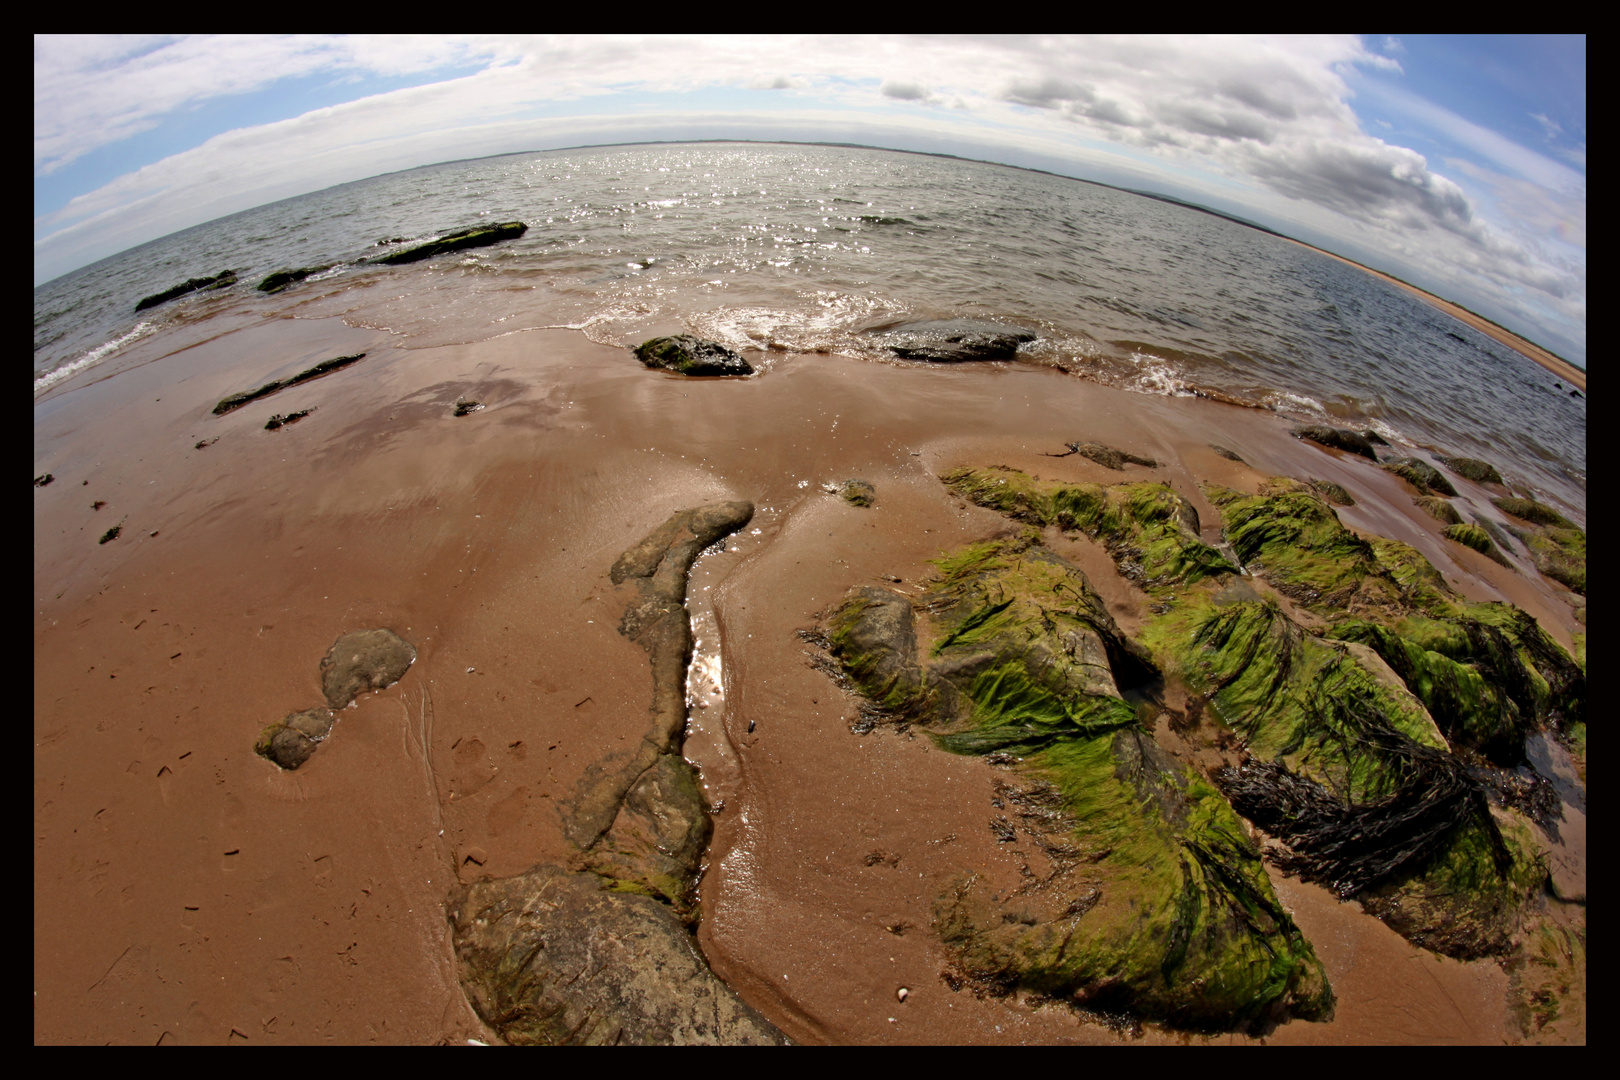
(1456,163)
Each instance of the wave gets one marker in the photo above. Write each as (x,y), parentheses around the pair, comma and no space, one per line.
(44,382)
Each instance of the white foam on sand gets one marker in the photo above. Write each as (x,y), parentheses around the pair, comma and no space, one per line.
(44,382)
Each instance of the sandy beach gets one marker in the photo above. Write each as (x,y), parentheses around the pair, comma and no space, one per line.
(186,890)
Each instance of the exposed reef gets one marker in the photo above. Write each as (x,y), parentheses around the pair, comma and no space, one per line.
(954,341)
(281,279)
(477,236)
(218,281)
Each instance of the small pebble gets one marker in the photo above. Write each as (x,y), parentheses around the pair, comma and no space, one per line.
(902,993)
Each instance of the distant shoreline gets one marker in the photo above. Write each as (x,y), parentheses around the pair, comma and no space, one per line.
(1531,351)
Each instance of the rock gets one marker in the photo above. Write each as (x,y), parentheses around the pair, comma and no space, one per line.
(688,355)
(477,236)
(553,958)
(279,421)
(279,280)
(1373,437)
(325,367)
(218,281)
(465,407)
(1439,509)
(364,660)
(1421,475)
(1480,472)
(1228,454)
(639,818)
(1333,493)
(1472,536)
(858,492)
(953,341)
(1107,456)
(110,534)
(1338,439)
(290,742)
(1532,511)
(41,481)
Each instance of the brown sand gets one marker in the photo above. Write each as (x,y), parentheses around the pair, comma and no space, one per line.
(1560,367)
(186,890)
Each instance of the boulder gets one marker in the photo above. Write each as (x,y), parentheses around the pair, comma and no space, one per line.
(954,341)
(553,958)
(1338,439)
(361,661)
(477,236)
(689,355)
(218,281)
(1480,472)
(289,742)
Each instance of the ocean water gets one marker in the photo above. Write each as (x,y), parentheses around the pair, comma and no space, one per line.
(818,249)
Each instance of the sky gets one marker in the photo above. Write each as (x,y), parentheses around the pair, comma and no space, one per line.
(1457,163)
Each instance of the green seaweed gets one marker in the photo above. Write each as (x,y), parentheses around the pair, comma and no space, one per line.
(1476,538)
(1534,512)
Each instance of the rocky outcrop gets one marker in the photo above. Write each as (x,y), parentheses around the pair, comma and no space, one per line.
(600,952)
(555,958)
(325,367)
(281,279)
(218,281)
(475,237)
(1349,441)
(954,341)
(687,355)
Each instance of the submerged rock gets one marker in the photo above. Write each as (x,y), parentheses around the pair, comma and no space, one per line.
(1480,472)
(364,660)
(553,958)
(1107,456)
(858,492)
(218,281)
(477,236)
(290,742)
(1339,439)
(1472,536)
(1228,453)
(953,341)
(1533,512)
(688,355)
(1555,545)
(1421,475)
(281,279)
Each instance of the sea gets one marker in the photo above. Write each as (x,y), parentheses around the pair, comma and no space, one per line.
(820,249)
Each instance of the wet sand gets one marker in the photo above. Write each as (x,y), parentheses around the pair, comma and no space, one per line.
(186,890)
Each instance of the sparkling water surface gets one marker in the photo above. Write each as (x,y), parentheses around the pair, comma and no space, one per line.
(812,249)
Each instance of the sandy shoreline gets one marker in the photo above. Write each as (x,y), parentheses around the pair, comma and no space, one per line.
(186,890)
(1528,349)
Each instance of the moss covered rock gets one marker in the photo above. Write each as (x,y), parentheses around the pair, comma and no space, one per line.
(281,279)
(1333,493)
(1349,441)
(688,355)
(1155,900)
(858,492)
(1480,472)
(1421,475)
(1534,512)
(1477,539)
(1439,509)
(292,741)
(218,281)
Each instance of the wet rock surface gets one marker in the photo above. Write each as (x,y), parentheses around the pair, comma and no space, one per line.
(955,341)
(361,661)
(601,952)
(1480,472)
(858,492)
(688,355)
(281,279)
(1332,492)
(556,958)
(325,367)
(218,281)
(1108,457)
(1421,475)
(461,240)
(290,742)
(1349,441)
(1439,509)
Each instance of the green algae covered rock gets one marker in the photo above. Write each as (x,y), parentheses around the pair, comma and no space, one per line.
(1555,545)
(281,279)
(1480,472)
(1439,509)
(1155,900)
(1333,493)
(858,492)
(1421,475)
(1476,538)
(218,281)
(1534,512)
(1151,531)
(460,240)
